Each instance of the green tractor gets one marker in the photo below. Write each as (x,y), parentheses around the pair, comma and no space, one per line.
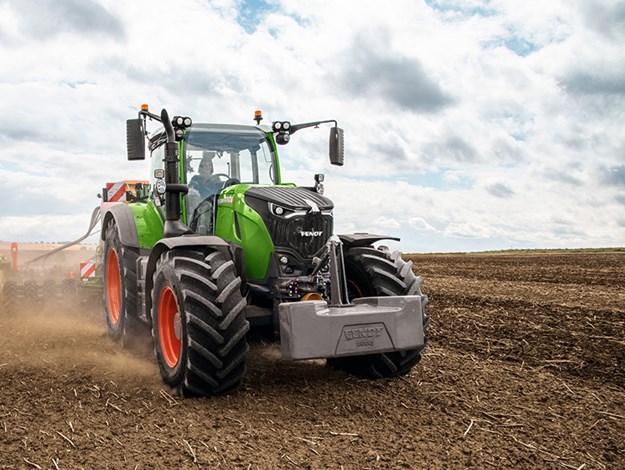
(220,245)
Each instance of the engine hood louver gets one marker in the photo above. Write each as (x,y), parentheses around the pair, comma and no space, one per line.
(292,198)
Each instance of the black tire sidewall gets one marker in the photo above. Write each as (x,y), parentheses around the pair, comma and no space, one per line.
(166,276)
(357,275)
(112,240)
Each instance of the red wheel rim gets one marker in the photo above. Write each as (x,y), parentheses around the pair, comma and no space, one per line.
(113,287)
(169,326)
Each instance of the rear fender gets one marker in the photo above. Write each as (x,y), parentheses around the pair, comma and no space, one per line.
(140,225)
(124,220)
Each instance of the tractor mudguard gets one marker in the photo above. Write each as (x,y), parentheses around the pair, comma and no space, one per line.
(140,225)
(362,239)
(186,241)
(124,220)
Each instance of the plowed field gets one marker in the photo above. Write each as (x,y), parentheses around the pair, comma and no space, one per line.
(524,369)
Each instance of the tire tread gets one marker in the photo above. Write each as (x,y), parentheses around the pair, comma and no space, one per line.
(213,312)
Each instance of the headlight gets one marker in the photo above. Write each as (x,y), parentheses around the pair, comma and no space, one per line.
(282,138)
(161,186)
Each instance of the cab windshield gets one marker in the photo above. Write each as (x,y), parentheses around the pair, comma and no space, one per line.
(216,155)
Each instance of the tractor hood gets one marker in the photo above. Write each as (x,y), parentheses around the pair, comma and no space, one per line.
(290,199)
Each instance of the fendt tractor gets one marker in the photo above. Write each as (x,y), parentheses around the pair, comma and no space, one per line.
(217,244)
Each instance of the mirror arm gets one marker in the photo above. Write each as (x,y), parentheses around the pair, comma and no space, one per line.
(296,127)
(147,114)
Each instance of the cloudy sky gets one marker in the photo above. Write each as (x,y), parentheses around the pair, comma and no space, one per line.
(469,124)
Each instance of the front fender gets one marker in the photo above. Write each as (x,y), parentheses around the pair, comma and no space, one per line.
(185,241)
(363,239)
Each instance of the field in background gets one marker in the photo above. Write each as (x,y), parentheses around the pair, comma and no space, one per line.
(28,251)
(524,369)
(57,266)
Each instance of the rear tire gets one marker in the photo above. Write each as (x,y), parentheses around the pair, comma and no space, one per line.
(198,322)
(379,272)
(120,284)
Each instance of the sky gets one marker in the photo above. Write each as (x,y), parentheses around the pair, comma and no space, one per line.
(469,125)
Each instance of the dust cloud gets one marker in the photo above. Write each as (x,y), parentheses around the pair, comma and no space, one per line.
(63,332)
(63,341)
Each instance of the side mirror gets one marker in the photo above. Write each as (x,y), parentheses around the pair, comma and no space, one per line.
(135,139)
(337,149)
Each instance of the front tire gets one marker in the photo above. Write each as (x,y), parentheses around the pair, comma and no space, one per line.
(379,272)
(198,322)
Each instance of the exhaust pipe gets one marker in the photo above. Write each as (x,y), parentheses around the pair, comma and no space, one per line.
(173,226)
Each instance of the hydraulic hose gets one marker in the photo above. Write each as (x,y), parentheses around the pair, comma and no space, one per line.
(95,218)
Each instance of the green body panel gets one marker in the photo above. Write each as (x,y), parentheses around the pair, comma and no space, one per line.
(149,222)
(254,237)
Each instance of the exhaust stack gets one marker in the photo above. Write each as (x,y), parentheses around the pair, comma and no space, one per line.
(173,226)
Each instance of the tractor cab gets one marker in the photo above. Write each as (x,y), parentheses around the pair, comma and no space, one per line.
(213,157)
(218,156)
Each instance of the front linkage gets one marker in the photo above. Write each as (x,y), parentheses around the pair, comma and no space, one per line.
(367,329)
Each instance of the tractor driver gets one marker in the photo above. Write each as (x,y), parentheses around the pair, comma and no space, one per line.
(205,182)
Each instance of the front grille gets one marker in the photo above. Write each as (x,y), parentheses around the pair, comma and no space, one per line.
(306,234)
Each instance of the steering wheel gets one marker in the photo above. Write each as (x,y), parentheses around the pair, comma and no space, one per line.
(226,181)
(219,175)
(231,182)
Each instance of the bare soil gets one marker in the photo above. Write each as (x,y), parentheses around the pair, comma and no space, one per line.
(524,369)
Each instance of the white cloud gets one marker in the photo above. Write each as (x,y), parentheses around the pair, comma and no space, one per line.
(384,224)
(468,125)
(420,224)
(471,230)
